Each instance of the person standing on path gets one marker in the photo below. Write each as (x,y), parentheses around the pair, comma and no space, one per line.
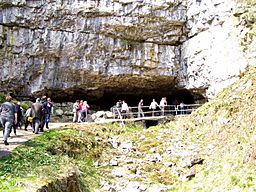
(48,112)
(124,110)
(153,106)
(84,111)
(8,117)
(18,124)
(163,104)
(140,111)
(75,111)
(182,108)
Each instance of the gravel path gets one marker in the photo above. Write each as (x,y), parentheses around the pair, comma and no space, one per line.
(21,137)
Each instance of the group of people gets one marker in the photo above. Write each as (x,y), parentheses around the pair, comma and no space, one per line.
(11,116)
(39,114)
(80,111)
(121,108)
(153,107)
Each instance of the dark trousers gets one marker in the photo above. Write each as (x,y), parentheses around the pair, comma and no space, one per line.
(47,120)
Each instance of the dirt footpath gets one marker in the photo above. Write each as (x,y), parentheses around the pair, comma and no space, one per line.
(21,137)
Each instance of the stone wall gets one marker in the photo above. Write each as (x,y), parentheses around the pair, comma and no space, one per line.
(62,112)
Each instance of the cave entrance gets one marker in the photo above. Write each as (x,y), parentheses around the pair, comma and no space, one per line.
(108,91)
(105,99)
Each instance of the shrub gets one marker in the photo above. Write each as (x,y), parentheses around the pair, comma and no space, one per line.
(2,97)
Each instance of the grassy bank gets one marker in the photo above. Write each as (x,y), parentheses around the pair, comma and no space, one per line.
(224,131)
(54,155)
(43,159)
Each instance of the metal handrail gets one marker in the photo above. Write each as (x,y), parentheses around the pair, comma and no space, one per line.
(185,105)
(168,110)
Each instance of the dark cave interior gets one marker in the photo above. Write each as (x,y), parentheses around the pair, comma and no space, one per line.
(175,97)
(107,99)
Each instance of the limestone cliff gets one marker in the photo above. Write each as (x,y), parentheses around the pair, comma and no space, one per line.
(126,47)
(220,43)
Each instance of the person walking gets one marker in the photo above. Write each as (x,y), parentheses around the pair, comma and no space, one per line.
(79,119)
(28,118)
(140,111)
(37,114)
(8,117)
(18,124)
(43,101)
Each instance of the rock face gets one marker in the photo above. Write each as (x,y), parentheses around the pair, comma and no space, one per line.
(111,48)
(216,51)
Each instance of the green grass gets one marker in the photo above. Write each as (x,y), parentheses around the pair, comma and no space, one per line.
(44,158)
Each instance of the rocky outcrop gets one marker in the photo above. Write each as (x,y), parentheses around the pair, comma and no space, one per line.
(133,168)
(216,51)
(95,49)
(90,46)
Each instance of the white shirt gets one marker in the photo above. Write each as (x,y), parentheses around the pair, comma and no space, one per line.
(163,103)
(153,105)
(124,107)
